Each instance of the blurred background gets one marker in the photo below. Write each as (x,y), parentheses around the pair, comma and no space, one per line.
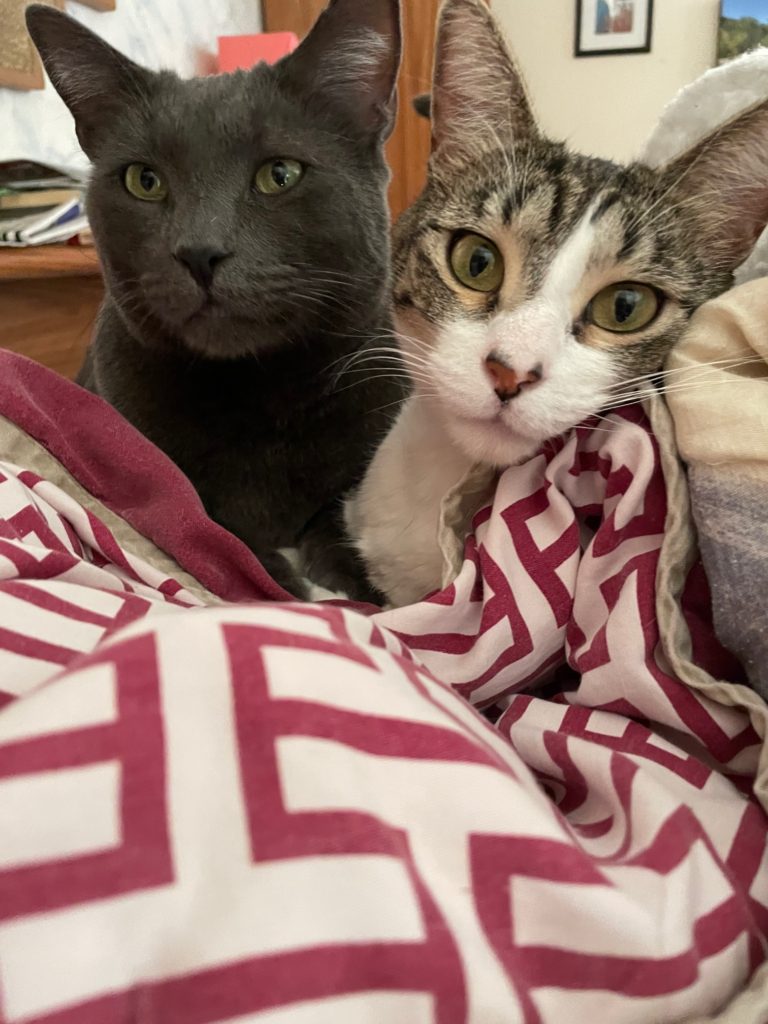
(602,104)
(599,72)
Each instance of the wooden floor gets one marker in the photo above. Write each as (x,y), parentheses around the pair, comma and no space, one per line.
(49,298)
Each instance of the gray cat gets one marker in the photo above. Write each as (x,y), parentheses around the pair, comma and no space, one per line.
(534,287)
(242,224)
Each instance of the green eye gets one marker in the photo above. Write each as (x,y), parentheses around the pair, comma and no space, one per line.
(623,308)
(278,176)
(144,183)
(477,263)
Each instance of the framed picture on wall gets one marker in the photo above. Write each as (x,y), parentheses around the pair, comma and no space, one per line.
(99,5)
(606,27)
(743,26)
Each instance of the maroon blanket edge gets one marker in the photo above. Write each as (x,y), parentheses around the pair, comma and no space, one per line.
(133,478)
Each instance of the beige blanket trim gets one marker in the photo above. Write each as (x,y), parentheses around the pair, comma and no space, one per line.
(723,424)
(678,553)
(718,376)
(19,448)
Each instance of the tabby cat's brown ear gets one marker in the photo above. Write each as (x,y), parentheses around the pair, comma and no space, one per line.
(351,59)
(94,80)
(478,91)
(723,183)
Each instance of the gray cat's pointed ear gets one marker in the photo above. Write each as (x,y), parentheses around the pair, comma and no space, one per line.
(94,80)
(351,59)
(478,91)
(722,184)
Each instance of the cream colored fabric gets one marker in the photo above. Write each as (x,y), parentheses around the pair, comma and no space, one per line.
(457,510)
(718,383)
(677,555)
(718,400)
(718,394)
(749,1007)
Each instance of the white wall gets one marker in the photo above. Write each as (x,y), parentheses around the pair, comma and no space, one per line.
(176,34)
(607,106)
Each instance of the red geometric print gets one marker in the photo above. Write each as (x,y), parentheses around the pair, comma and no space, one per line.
(134,740)
(273,812)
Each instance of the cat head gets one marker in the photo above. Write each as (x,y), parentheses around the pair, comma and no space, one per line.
(534,286)
(238,211)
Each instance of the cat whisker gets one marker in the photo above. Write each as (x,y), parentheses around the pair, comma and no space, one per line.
(392,354)
(373,352)
(729,362)
(694,376)
(703,385)
(383,362)
(375,371)
(389,405)
(678,388)
(369,380)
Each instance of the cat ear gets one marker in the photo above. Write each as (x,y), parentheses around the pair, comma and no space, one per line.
(352,57)
(92,78)
(723,182)
(478,91)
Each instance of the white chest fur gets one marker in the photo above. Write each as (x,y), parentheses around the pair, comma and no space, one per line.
(394,516)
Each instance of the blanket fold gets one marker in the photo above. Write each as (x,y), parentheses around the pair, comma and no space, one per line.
(219,807)
(717,382)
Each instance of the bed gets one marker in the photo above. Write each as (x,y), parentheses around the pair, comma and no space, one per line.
(538,795)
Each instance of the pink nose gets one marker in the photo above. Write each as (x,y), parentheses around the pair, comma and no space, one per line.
(508,383)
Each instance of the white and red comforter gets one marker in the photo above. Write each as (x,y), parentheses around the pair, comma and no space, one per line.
(219,806)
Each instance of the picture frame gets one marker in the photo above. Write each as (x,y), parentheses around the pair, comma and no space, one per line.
(610,27)
(20,64)
(99,5)
(743,26)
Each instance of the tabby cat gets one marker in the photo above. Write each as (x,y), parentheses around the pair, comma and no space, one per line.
(241,221)
(534,287)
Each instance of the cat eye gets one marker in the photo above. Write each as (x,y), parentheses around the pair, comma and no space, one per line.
(477,263)
(145,183)
(624,307)
(278,176)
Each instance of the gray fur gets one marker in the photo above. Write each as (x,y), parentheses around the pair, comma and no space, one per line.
(240,383)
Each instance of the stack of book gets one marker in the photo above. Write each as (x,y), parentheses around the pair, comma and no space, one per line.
(40,204)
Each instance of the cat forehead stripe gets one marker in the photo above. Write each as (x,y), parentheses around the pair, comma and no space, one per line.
(571,262)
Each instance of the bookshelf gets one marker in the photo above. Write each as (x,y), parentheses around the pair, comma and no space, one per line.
(49,298)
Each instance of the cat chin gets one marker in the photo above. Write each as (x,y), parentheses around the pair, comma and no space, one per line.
(490,442)
(227,338)
(220,346)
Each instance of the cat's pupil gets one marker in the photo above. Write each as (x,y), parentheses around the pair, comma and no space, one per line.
(625,305)
(481,260)
(280,174)
(148,179)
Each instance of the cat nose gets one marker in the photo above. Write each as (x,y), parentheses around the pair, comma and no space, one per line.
(508,383)
(201,262)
